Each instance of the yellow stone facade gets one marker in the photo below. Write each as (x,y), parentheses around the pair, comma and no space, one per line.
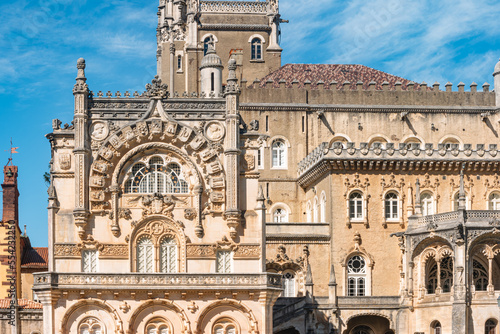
(369,207)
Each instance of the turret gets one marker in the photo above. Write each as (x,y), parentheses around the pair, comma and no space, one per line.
(496,76)
(211,73)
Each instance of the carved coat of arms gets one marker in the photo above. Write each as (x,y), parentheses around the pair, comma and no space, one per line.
(157,204)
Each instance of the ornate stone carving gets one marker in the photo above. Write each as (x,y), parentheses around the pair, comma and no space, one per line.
(214,131)
(65,161)
(190,213)
(124,307)
(156,88)
(249,161)
(114,251)
(248,251)
(192,307)
(157,204)
(194,251)
(66,250)
(357,183)
(99,130)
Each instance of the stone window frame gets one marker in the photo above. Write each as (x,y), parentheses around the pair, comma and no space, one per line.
(490,201)
(294,280)
(308,212)
(280,205)
(94,257)
(286,149)
(364,209)
(218,324)
(434,202)
(251,41)
(399,219)
(162,323)
(436,327)
(179,53)
(437,252)
(369,263)
(491,326)
(91,322)
(454,201)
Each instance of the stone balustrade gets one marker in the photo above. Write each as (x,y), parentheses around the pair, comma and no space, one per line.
(237,7)
(160,281)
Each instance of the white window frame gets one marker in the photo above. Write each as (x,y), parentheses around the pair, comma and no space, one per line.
(168,255)
(363,275)
(493,203)
(426,202)
(224,262)
(148,253)
(90,261)
(390,203)
(308,212)
(281,216)
(282,162)
(359,213)
(289,287)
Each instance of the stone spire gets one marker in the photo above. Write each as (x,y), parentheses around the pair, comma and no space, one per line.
(496,78)
(461,193)
(418,202)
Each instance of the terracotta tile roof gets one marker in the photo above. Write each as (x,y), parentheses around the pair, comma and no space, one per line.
(36,257)
(338,73)
(23,303)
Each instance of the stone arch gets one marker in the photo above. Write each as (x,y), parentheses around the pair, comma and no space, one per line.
(277,206)
(413,139)
(183,141)
(427,242)
(449,138)
(216,40)
(175,228)
(376,321)
(72,317)
(205,317)
(259,36)
(380,138)
(181,321)
(339,137)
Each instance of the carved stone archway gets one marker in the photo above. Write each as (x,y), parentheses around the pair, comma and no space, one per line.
(103,305)
(168,304)
(232,304)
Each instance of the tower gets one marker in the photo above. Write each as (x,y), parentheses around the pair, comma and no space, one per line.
(247,32)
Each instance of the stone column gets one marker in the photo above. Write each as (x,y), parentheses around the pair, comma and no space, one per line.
(260,210)
(459,308)
(491,287)
(49,299)
(81,151)
(231,150)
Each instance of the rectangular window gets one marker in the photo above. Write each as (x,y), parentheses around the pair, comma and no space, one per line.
(260,158)
(224,262)
(179,62)
(89,261)
(303,124)
(267,123)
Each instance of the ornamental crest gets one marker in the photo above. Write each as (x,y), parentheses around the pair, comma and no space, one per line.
(157,204)
(65,161)
(249,162)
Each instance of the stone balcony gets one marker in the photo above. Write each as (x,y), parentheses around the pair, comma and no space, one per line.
(369,302)
(294,231)
(138,281)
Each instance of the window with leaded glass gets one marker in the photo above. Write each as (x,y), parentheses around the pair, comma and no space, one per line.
(157,177)
(280,215)
(89,261)
(356,276)
(288,284)
(279,154)
(224,261)
(356,205)
(479,276)
(391,205)
(145,255)
(168,255)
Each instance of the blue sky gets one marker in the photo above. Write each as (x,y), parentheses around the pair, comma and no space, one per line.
(40,41)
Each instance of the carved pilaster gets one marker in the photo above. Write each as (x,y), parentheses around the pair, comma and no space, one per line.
(115,226)
(81,151)
(198,230)
(231,150)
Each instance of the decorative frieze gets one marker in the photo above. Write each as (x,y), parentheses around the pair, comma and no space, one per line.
(209,250)
(239,7)
(105,251)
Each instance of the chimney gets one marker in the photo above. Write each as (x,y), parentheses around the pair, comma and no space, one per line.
(10,194)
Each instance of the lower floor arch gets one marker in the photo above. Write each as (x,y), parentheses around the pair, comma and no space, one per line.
(156,315)
(226,317)
(368,324)
(91,316)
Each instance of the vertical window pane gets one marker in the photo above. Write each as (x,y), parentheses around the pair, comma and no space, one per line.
(89,261)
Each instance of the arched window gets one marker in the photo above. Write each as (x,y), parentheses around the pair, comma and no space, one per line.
(446,273)
(391,206)
(479,276)
(494,201)
(308,212)
(168,255)
(356,205)
(158,326)
(256,49)
(436,327)
(315,210)
(431,276)
(157,177)
(280,215)
(225,326)
(490,327)
(279,154)
(90,326)
(448,142)
(145,255)
(356,276)
(412,143)
(427,203)
(206,42)
(289,284)
(322,208)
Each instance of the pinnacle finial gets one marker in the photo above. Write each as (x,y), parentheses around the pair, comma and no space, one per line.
(80,65)
(461,193)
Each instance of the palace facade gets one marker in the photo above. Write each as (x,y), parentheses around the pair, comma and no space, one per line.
(313,199)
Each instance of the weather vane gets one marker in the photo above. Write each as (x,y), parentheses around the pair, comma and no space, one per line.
(11,151)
